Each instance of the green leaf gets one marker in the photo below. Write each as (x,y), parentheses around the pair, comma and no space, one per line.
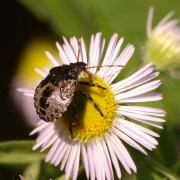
(176,167)
(159,168)
(18,153)
(33,170)
(67,17)
(62,177)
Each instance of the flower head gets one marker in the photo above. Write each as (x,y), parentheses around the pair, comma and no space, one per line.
(163,43)
(98,138)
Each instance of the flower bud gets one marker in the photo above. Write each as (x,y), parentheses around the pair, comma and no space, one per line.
(163,43)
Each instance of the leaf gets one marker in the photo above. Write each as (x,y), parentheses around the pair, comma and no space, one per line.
(163,170)
(67,17)
(18,153)
(62,177)
(167,139)
(33,170)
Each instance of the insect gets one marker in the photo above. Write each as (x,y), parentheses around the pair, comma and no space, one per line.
(55,93)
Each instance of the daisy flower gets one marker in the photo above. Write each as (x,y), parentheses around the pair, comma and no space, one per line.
(98,141)
(163,43)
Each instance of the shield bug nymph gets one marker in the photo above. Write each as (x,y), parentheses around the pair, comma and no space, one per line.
(55,93)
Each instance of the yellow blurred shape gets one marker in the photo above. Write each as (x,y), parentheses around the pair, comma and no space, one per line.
(33,56)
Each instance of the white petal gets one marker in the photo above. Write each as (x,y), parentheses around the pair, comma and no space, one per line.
(128,140)
(118,154)
(71,159)
(51,58)
(141,98)
(121,60)
(108,164)
(110,49)
(139,137)
(138,127)
(111,60)
(62,54)
(149,21)
(76,164)
(47,133)
(141,73)
(83,51)
(101,159)
(64,160)
(137,82)
(165,20)
(124,152)
(69,51)
(95,51)
(140,90)
(52,150)
(96,156)
(39,128)
(50,142)
(114,160)
(40,72)
(142,117)
(58,151)
(24,90)
(61,151)
(143,110)
(90,160)
(85,160)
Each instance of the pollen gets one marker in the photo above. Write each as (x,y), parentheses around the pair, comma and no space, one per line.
(91,122)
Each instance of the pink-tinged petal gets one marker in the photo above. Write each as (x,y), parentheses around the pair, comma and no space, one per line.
(71,160)
(61,150)
(128,140)
(52,150)
(85,160)
(143,110)
(57,153)
(141,98)
(143,72)
(39,128)
(114,160)
(90,160)
(50,142)
(62,54)
(69,51)
(137,137)
(96,161)
(51,58)
(40,72)
(66,155)
(107,160)
(83,51)
(76,164)
(118,154)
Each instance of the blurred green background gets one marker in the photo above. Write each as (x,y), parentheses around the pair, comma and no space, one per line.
(44,22)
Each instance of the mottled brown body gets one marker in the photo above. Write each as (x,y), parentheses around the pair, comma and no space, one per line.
(51,107)
(55,93)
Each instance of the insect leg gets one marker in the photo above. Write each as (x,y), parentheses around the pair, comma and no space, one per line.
(87,83)
(74,121)
(92,101)
(90,76)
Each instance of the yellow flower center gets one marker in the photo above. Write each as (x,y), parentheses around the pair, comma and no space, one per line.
(91,122)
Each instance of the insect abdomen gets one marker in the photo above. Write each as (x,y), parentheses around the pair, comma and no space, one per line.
(52,101)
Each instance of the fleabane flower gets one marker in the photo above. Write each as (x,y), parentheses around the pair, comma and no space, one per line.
(163,42)
(98,140)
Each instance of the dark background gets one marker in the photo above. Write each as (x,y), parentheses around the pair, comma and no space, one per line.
(17,26)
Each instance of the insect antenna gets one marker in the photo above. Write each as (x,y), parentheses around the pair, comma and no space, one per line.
(104,66)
